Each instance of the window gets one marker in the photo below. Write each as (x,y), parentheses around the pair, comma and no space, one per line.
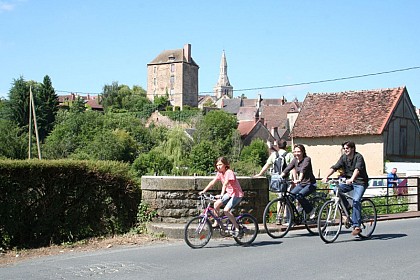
(172,67)
(172,81)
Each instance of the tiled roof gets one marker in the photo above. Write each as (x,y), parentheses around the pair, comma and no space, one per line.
(346,113)
(245,127)
(276,115)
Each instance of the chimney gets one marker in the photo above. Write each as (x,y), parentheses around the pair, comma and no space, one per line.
(187,52)
(274,131)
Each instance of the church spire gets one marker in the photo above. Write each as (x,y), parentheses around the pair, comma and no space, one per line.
(223,86)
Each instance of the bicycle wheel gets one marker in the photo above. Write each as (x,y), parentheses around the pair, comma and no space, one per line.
(312,224)
(249,229)
(197,232)
(277,218)
(329,221)
(369,218)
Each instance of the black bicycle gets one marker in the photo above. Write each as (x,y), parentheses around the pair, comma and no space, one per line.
(281,213)
(333,214)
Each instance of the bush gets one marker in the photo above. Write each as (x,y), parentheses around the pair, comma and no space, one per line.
(51,202)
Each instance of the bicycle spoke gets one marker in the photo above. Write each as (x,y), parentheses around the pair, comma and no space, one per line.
(277,218)
(329,222)
(369,218)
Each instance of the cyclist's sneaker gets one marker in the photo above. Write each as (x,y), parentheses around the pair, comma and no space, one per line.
(356,231)
(235,233)
(312,215)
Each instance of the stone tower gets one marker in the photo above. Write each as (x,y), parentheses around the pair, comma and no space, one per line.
(174,73)
(223,87)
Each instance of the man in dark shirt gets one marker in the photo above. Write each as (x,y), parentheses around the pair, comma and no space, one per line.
(354,168)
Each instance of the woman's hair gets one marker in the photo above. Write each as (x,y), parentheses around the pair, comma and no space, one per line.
(301,148)
(349,144)
(223,160)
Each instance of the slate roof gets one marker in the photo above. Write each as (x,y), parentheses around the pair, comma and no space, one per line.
(232,105)
(346,113)
(247,114)
(177,55)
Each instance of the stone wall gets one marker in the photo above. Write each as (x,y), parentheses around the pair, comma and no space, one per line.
(175,198)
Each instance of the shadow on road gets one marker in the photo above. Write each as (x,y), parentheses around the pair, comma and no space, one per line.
(387,236)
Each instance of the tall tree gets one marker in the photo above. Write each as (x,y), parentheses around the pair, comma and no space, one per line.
(47,108)
(19,102)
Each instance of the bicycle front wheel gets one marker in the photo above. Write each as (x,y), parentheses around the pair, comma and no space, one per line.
(369,218)
(329,221)
(249,229)
(277,218)
(311,224)
(197,232)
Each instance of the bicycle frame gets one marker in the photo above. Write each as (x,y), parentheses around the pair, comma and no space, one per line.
(277,223)
(208,211)
(198,231)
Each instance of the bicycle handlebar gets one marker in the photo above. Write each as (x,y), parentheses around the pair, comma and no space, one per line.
(206,196)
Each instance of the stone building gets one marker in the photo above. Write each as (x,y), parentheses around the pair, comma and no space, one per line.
(174,73)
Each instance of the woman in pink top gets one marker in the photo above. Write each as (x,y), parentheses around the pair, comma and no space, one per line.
(231,193)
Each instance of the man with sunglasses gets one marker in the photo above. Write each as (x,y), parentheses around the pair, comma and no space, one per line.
(354,169)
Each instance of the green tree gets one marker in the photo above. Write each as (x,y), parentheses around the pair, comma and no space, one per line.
(47,108)
(256,152)
(120,98)
(161,102)
(73,129)
(78,105)
(177,146)
(202,157)
(110,97)
(13,140)
(152,163)
(109,145)
(19,102)
(219,127)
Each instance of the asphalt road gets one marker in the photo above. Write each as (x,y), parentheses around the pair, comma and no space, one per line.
(392,253)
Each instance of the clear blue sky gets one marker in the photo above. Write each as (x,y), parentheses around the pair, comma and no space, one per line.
(83,45)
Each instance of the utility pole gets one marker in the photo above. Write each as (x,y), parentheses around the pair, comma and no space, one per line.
(32,112)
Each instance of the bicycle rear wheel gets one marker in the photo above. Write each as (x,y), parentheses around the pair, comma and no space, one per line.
(369,218)
(277,218)
(249,229)
(197,232)
(312,224)
(329,221)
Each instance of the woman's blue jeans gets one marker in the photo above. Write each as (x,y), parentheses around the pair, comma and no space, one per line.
(358,191)
(299,192)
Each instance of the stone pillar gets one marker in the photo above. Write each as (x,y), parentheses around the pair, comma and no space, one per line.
(413,192)
(175,197)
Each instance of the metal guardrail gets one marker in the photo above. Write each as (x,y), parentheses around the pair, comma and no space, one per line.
(405,196)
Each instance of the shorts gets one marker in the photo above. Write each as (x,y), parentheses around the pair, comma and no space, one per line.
(230,202)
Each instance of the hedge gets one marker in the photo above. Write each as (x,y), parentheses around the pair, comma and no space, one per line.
(45,202)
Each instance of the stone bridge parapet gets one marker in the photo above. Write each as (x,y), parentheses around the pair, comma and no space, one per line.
(175,198)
